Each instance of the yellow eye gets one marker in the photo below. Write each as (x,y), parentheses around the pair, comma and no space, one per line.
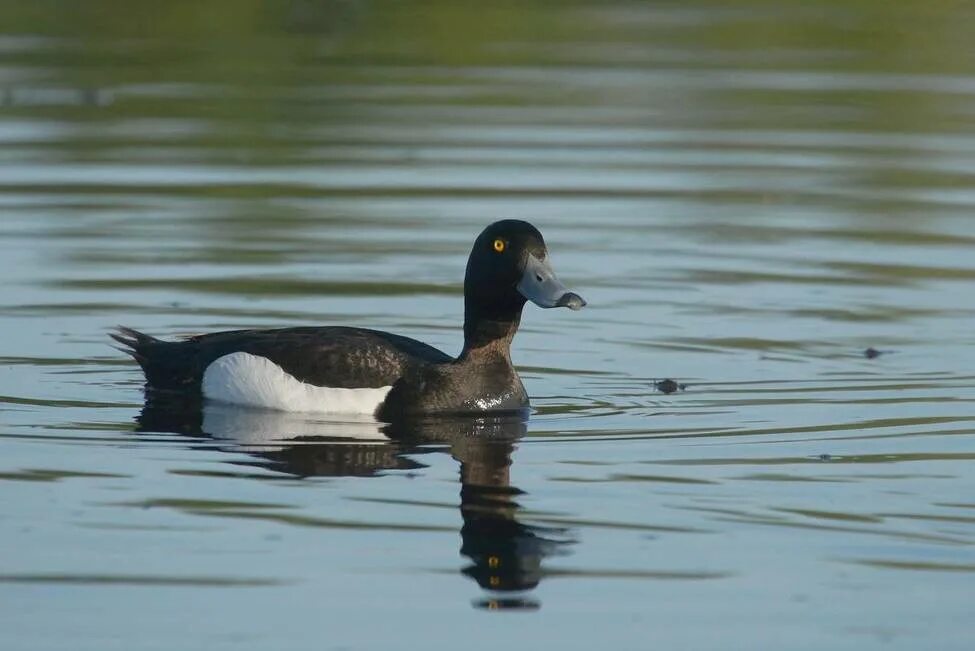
(499,245)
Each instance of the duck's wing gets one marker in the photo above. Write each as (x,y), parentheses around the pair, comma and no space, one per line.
(336,357)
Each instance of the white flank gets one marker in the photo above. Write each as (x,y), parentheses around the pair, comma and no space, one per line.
(245,379)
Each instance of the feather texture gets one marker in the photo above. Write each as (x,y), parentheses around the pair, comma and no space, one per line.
(245,379)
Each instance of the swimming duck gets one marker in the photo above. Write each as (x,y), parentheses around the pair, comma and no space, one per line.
(342,370)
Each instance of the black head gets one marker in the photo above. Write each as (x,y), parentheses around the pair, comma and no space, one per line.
(508,266)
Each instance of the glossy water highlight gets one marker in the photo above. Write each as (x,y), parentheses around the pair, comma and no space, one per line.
(750,198)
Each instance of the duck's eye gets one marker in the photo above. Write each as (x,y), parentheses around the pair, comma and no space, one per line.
(499,245)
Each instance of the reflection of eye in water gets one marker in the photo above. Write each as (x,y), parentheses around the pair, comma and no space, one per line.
(506,555)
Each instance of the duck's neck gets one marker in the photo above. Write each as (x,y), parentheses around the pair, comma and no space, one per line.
(487,336)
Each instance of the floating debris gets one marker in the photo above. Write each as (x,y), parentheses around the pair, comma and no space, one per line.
(669,386)
(873,353)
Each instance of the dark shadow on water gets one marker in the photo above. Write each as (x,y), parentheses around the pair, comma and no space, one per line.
(506,555)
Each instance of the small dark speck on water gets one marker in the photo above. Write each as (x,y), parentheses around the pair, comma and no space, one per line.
(669,386)
(825,457)
(873,353)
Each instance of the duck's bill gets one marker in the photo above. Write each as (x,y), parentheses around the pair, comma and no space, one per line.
(541,286)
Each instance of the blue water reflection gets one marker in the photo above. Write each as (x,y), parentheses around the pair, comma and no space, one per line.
(506,555)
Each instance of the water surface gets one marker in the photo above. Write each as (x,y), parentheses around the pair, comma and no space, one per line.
(748,196)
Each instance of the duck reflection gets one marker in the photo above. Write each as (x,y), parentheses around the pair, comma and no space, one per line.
(505,555)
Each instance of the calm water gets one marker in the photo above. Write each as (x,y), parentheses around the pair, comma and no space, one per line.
(748,196)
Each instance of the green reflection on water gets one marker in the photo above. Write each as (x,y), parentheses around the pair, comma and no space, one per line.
(140,580)
(825,107)
(51,475)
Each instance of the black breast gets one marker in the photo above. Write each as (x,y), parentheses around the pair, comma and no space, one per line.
(459,387)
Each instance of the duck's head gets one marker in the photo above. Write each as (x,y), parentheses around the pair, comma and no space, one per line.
(508,266)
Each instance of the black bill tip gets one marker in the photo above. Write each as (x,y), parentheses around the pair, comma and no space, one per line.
(572,301)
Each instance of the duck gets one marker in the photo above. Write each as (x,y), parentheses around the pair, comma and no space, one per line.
(385,376)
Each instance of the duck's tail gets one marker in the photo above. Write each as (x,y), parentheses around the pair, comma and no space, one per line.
(134,343)
(167,365)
